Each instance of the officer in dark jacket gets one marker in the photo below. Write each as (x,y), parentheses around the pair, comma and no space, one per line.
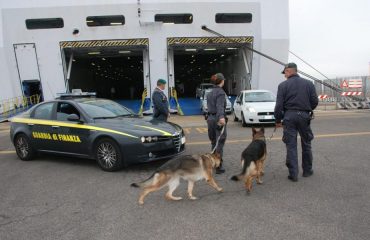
(216,104)
(160,102)
(296,100)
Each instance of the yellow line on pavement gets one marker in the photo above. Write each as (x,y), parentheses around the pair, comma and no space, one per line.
(7,152)
(279,138)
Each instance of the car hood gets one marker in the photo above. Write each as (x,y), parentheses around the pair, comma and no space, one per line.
(138,126)
(261,106)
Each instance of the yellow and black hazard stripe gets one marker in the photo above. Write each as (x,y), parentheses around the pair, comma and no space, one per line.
(105,43)
(208,40)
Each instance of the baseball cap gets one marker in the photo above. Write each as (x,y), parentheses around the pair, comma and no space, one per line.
(161,81)
(289,65)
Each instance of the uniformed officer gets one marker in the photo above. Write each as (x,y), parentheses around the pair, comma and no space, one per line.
(216,104)
(296,100)
(160,103)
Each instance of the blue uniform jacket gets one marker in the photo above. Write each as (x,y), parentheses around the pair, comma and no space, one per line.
(295,93)
(160,105)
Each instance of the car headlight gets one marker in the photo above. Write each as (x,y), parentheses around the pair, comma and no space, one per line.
(250,109)
(149,139)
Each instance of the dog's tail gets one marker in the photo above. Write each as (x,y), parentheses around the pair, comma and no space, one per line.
(143,183)
(244,170)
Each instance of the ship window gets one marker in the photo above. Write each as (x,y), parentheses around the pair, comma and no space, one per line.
(44,23)
(112,20)
(178,18)
(233,18)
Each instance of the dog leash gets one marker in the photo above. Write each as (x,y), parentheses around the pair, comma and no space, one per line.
(218,139)
(273,133)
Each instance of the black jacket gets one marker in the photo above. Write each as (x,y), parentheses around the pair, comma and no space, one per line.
(295,93)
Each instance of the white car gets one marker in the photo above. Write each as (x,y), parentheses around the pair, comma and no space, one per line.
(200,90)
(255,107)
(203,102)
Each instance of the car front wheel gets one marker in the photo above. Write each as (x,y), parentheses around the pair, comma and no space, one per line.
(235,117)
(244,124)
(23,147)
(108,155)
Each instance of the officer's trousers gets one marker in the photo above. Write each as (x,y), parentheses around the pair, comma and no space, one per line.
(297,121)
(214,132)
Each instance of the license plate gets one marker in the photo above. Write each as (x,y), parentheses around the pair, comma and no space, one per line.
(183,140)
(269,117)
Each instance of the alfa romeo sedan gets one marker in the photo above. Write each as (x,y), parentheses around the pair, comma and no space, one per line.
(94,128)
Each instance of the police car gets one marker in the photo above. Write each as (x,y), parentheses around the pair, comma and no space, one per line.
(94,128)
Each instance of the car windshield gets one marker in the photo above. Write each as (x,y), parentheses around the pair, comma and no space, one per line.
(259,97)
(103,108)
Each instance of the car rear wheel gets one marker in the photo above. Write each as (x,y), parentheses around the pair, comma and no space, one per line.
(23,147)
(108,155)
(244,124)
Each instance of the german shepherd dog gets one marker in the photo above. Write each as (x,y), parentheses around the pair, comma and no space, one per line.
(190,167)
(253,158)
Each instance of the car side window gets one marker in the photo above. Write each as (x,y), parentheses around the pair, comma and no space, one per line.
(43,111)
(64,110)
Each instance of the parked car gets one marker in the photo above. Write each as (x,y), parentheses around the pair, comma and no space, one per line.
(203,103)
(254,107)
(201,88)
(94,128)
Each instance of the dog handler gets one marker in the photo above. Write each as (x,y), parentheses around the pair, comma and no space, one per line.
(295,102)
(216,117)
(160,102)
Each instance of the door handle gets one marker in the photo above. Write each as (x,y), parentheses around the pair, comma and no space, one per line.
(55,126)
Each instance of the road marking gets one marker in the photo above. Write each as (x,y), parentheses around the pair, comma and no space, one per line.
(279,138)
(7,152)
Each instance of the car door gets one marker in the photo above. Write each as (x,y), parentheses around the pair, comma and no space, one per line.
(237,105)
(41,127)
(72,135)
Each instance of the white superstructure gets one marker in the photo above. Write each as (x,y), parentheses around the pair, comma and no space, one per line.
(99,58)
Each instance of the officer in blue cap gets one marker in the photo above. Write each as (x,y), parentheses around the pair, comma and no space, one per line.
(295,102)
(160,103)
(216,117)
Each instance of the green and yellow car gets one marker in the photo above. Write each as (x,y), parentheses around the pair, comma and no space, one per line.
(94,128)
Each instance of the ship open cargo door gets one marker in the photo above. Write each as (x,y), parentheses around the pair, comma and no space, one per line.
(114,69)
(192,61)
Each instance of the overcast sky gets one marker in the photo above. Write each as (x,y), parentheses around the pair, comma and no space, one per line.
(331,35)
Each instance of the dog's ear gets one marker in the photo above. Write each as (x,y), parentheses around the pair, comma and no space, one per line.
(217,155)
(254,131)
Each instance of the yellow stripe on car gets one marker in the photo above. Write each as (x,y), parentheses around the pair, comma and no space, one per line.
(64,124)
(156,129)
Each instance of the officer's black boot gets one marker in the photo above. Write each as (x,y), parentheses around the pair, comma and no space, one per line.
(220,169)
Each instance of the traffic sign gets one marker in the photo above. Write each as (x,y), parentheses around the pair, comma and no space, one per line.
(344,84)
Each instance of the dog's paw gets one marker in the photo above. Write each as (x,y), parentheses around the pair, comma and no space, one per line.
(260,182)
(193,198)
(220,189)
(141,202)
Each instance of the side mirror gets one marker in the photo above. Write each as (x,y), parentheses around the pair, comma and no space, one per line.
(73,118)
(238,101)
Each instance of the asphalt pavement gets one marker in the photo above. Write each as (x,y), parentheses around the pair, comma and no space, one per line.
(70,198)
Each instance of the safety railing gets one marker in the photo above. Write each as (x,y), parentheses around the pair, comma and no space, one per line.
(13,106)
